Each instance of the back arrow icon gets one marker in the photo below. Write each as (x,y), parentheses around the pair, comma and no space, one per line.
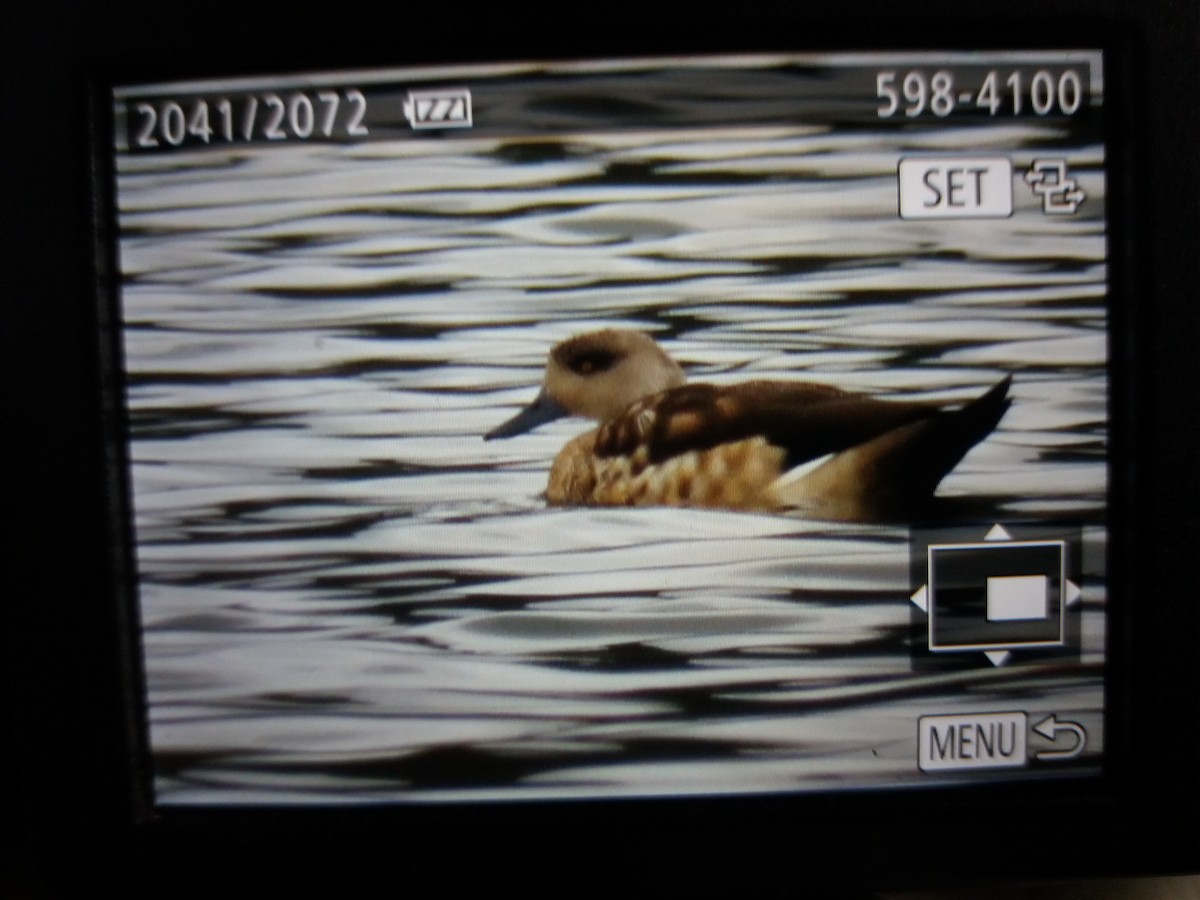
(1049,728)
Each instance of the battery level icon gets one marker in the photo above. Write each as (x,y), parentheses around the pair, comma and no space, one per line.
(445,108)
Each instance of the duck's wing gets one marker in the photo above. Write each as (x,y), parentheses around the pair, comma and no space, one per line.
(807,421)
(848,454)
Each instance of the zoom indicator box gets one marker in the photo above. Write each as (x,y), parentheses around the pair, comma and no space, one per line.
(995,591)
(995,595)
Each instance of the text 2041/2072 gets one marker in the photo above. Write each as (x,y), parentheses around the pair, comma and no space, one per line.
(161,123)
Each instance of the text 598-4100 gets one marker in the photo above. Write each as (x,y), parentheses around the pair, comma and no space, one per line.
(168,122)
(1048,91)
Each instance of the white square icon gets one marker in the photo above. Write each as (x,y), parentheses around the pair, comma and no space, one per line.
(1017,598)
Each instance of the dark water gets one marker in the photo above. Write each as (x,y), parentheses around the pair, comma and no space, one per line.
(348,595)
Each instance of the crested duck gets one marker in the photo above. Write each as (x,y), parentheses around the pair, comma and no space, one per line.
(760,445)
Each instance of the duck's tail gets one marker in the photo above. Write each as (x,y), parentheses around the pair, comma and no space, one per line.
(894,473)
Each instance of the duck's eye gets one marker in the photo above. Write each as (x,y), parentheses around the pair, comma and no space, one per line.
(588,362)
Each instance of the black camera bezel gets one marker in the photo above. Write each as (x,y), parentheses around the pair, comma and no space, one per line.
(75,700)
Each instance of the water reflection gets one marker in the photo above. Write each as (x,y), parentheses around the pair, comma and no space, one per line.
(347,593)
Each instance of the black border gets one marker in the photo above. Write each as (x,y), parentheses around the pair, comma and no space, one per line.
(72,747)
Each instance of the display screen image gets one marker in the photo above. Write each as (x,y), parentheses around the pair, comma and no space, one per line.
(690,426)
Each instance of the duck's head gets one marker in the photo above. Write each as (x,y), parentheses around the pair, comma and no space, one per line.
(596,375)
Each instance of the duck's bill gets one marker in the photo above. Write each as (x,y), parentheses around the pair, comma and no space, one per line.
(543,409)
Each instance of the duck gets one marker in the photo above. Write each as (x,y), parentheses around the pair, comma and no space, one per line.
(757,445)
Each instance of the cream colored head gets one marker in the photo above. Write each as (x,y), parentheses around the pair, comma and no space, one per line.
(599,374)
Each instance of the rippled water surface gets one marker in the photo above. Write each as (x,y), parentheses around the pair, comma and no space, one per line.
(347,594)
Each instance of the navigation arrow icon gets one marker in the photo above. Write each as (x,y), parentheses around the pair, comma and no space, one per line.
(921,598)
(1074,593)
(1050,727)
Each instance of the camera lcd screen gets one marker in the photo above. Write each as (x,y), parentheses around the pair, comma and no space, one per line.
(662,427)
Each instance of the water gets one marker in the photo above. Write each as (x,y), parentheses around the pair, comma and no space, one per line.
(347,595)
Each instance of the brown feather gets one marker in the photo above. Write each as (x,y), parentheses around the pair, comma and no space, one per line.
(806,420)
